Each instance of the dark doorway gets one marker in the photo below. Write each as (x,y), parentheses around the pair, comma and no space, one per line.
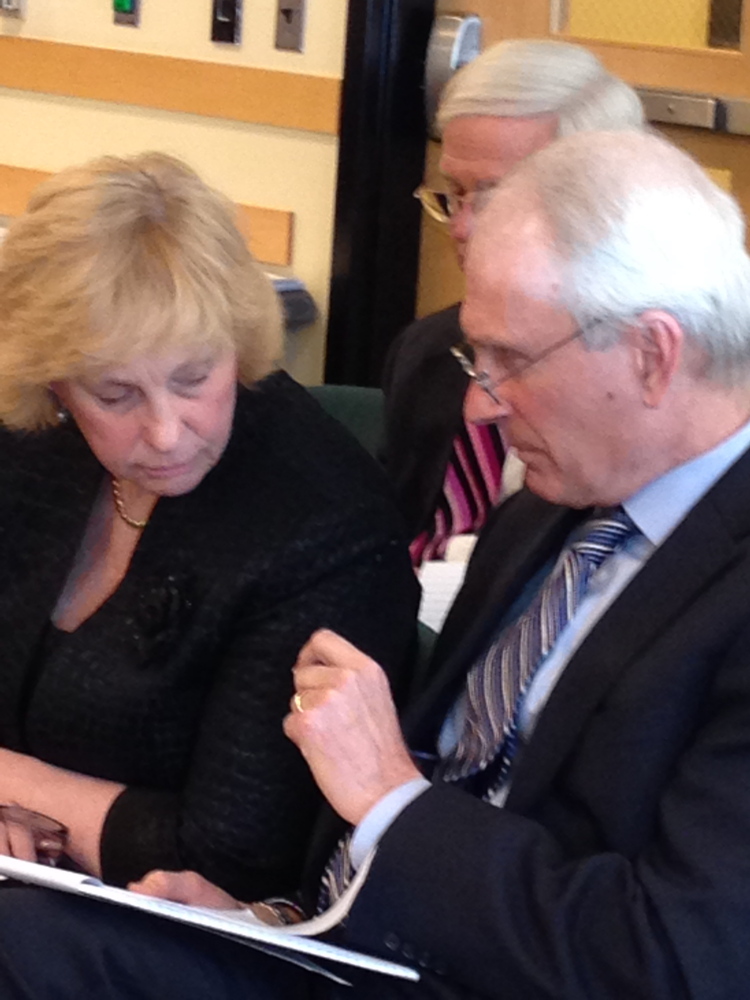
(381,159)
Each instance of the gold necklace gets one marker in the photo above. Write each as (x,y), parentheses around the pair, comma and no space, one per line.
(120,507)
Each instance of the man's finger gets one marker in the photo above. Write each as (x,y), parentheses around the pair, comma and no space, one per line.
(325,647)
(314,650)
(306,700)
(319,678)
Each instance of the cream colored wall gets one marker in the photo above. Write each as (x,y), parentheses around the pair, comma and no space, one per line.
(257,165)
(183,30)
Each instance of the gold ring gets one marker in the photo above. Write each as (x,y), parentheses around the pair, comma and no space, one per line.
(298,702)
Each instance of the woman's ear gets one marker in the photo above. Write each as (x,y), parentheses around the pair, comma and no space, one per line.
(61,411)
(658,343)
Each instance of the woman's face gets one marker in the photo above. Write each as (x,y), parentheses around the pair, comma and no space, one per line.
(159,422)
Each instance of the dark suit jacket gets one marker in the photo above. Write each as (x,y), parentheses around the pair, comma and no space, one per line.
(620,865)
(424,394)
(178,684)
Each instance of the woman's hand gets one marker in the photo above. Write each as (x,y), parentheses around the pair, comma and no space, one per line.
(30,835)
(185,887)
(78,801)
(17,841)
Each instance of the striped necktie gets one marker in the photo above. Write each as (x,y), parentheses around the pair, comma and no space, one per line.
(498,681)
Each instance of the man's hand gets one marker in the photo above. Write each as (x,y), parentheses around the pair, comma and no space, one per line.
(194,890)
(185,887)
(345,724)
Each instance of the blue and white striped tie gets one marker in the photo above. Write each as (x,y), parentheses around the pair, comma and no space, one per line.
(498,681)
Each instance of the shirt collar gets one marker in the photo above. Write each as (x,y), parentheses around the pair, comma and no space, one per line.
(658,508)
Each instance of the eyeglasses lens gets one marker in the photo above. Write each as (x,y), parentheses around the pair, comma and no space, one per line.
(435,203)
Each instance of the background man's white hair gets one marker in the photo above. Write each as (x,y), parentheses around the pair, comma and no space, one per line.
(637,225)
(522,78)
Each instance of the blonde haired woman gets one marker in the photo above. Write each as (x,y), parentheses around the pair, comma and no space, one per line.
(174,523)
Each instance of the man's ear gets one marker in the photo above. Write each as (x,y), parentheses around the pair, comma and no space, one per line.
(658,343)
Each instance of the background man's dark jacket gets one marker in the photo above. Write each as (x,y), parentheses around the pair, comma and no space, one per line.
(424,395)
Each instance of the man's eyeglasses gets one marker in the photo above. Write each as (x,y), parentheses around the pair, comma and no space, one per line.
(438,204)
(464,355)
(443,205)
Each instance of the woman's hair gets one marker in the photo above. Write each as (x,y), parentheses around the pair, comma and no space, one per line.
(120,258)
(522,78)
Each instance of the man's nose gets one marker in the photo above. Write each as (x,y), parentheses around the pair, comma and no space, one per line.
(480,408)
(462,222)
(162,427)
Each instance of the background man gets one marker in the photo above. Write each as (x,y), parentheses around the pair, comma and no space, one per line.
(585,830)
(511,101)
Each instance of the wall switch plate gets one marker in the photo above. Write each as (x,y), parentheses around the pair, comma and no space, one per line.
(226,21)
(127,12)
(290,25)
(13,8)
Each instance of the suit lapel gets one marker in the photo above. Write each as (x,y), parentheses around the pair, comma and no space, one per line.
(513,547)
(703,547)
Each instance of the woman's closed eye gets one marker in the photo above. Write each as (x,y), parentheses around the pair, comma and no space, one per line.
(189,378)
(188,383)
(113,396)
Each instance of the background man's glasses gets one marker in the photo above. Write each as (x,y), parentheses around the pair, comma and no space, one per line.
(443,205)
(438,204)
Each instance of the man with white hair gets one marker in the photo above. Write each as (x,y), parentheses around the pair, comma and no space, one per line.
(566,811)
(512,100)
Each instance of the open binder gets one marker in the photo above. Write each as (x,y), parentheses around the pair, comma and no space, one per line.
(297,943)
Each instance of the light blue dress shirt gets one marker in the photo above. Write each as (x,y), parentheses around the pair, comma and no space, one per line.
(656,510)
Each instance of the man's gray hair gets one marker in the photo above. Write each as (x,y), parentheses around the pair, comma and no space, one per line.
(639,225)
(522,78)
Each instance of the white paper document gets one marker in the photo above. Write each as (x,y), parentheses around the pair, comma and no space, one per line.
(440,581)
(241,925)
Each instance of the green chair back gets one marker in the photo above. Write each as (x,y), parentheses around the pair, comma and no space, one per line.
(359,409)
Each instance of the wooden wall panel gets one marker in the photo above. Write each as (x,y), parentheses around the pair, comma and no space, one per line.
(16,184)
(708,71)
(268,231)
(239,93)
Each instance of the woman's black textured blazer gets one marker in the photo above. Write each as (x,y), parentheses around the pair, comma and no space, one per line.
(178,684)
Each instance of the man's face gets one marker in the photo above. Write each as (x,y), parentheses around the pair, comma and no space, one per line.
(478,151)
(575,417)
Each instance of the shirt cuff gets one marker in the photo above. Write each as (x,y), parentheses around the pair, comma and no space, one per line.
(368,833)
